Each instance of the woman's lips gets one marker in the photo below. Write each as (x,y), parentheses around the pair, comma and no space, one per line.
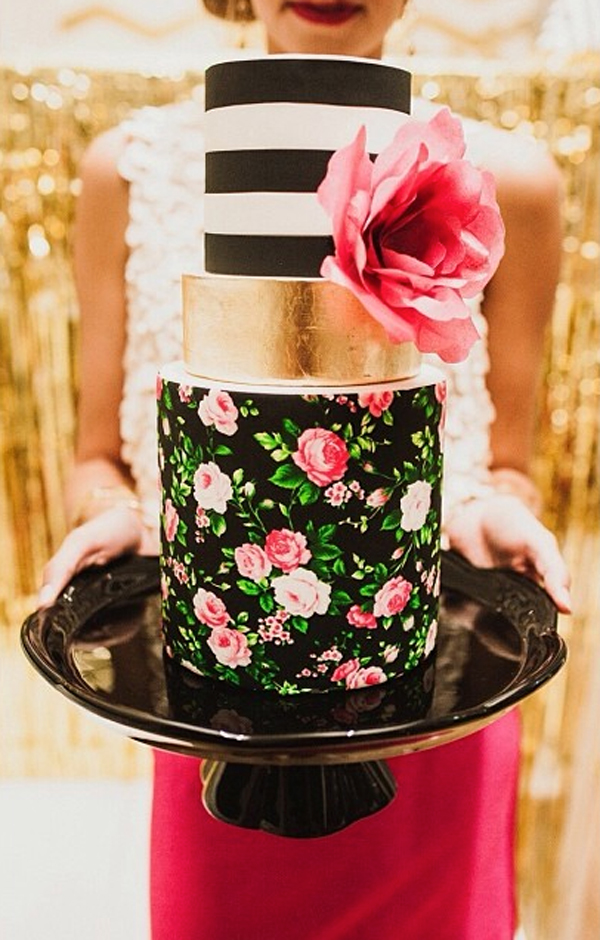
(327,14)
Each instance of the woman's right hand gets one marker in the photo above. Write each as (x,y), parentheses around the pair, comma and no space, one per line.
(116,531)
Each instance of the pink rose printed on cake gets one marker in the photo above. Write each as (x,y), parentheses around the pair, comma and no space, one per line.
(210,609)
(376,402)
(171,520)
(377,498)
(252,562)
(217,408)
(369,675)
(415,505)
(322,455)
(344,670)
(356,676)
(360,618)
(302,593)
(415,232)
(212,487)
(287,550)
(392,597)
(230,647)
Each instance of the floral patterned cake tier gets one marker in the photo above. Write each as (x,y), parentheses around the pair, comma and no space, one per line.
(300,530)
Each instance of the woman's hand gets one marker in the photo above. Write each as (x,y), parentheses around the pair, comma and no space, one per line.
(498,530)
(116,531)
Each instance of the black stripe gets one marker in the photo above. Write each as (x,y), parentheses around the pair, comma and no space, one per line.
(266,255)
(266,171)
(310,81)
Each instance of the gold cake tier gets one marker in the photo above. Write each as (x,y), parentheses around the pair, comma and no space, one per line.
(268,331)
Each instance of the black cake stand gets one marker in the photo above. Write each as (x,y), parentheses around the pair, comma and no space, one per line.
(304,765)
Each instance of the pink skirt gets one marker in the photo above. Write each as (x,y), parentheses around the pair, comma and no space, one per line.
(437,862)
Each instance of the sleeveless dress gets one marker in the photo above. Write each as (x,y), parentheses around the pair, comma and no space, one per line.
(439,860)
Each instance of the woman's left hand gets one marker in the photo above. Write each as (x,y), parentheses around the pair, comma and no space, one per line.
(498,530)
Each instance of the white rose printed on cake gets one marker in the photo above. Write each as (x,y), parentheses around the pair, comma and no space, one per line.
(300,441)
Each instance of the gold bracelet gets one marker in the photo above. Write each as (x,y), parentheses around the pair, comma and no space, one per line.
(100,498)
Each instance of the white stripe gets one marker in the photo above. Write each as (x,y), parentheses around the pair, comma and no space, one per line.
(298,127)
(265,214)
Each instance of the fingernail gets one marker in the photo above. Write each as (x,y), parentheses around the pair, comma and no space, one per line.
(46,595)
(563,595)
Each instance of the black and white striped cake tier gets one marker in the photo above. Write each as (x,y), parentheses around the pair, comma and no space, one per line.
(272,125)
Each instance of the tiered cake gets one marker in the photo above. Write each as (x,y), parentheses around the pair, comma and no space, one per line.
(300,453)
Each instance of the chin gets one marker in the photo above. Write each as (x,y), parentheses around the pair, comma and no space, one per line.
(327,46)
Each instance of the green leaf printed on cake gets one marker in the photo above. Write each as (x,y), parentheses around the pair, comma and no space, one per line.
(297,571)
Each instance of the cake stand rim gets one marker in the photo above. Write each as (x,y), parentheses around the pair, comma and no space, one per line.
(337,746)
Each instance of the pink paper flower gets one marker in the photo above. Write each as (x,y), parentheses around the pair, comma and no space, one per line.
(217,408)
(212,487)
(322,455)
(230,647)
(286,549)
(210,609)
(252,562)
(415,233)
(302,593)
(392,598)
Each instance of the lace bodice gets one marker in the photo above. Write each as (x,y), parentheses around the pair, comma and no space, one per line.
(163,163)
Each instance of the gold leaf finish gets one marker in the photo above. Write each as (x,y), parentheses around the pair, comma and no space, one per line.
(270,331)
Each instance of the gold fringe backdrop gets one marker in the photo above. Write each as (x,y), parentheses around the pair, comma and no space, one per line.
(47,118)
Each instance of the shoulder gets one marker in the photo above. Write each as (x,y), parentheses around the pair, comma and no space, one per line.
(526,174)
(101,159)
(527,177)
(102,208)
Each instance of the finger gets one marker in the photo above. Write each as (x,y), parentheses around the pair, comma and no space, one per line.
(556,583)
(72,556)
(552,571)
(112,533)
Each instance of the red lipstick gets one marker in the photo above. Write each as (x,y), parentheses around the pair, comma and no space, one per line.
(325,14)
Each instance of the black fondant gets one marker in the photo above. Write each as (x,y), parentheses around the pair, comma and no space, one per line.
(342,82)
(290,256)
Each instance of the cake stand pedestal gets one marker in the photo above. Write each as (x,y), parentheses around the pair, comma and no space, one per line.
(301,766)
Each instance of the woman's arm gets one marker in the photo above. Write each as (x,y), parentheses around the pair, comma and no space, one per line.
(519,301)
(502,528)
(101,505)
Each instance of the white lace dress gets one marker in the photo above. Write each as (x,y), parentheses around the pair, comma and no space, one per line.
(163,162)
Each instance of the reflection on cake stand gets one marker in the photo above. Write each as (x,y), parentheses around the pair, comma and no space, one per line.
(305,765)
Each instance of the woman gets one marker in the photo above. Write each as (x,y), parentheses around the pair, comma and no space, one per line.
(439,861)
